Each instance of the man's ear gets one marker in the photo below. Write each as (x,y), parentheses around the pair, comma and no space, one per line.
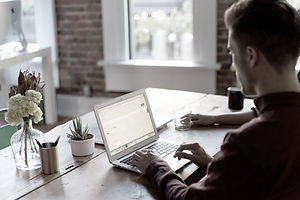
(252,55)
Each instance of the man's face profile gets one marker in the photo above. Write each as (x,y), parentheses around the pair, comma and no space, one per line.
(239,63)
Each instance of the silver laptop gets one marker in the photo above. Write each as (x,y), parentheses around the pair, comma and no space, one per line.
(161,122)
(126,124)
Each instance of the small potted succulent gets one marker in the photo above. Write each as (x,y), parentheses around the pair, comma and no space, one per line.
(82,142)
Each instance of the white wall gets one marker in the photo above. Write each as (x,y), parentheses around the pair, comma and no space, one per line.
(130,78)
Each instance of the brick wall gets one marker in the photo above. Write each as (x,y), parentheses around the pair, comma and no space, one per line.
(225,76)
(80,45)
(79,34)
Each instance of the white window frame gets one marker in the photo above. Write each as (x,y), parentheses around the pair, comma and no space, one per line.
(123,74)
(45,27)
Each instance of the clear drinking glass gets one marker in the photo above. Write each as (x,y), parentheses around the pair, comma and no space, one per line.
(182,118)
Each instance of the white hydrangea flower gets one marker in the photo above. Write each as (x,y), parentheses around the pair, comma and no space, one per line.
(15,101)
(37,115)
(20,106)
(34,96)
(14,118)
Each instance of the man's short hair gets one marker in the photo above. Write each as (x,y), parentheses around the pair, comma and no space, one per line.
(272,26)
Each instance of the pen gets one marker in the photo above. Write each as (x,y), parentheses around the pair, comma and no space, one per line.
(56,141)
(38,143)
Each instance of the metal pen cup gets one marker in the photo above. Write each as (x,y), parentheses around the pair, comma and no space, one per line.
(49,160)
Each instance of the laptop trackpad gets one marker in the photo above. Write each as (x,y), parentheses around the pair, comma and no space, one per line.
(174,163)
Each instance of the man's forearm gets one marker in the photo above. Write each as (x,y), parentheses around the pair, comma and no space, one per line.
(168,184)
(234,118)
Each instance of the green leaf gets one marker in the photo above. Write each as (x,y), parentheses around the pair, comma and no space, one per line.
(78,133)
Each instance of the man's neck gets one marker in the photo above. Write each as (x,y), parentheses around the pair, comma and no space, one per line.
(276,83)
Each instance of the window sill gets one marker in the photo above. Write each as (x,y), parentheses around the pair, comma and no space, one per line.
(180,75)
(159,63)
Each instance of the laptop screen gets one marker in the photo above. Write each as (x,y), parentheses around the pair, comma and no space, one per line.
(126,123)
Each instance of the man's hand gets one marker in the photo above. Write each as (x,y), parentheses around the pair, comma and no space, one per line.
(142,159)
(198,119)
(197,156)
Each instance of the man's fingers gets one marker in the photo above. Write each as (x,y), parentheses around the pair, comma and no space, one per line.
(135,162)
(195,117)
(185,121)
(147,151)
(190,146)
(136,156)
(180,155)
(186,116)
(142,152)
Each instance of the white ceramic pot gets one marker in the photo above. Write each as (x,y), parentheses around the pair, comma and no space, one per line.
(83,147)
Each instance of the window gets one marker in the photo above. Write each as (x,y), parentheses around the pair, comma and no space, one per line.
(130,64)
(28,21)
(161,29)
(38,25)
(296,4)
(124,41)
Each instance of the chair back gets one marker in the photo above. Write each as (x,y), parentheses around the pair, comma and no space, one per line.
(3,110)
(6,131)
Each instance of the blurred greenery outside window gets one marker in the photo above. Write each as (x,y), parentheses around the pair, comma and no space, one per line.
(161,30)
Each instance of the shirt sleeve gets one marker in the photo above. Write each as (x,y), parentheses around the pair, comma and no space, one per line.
(228,177)
(254,112)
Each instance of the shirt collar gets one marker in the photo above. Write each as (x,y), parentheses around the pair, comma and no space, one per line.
(277,99)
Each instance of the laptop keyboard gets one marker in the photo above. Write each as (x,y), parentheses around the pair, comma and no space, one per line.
(161,148)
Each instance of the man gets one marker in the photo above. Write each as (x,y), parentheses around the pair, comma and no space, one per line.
(261,159)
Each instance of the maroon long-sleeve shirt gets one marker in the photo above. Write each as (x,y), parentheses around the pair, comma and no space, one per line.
(260,160)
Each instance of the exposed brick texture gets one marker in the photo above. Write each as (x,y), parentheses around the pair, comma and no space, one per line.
(225,76)
(79,34)
(80,46)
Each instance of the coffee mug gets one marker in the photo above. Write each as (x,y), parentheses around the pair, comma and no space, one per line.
(235,98)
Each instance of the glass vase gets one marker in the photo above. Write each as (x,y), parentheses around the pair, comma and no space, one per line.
(24,147)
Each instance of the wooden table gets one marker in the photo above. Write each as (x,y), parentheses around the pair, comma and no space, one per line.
(97,179)
(33,51)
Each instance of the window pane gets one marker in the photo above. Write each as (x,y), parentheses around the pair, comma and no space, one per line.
(161,29)
(295,3)
(28,23)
